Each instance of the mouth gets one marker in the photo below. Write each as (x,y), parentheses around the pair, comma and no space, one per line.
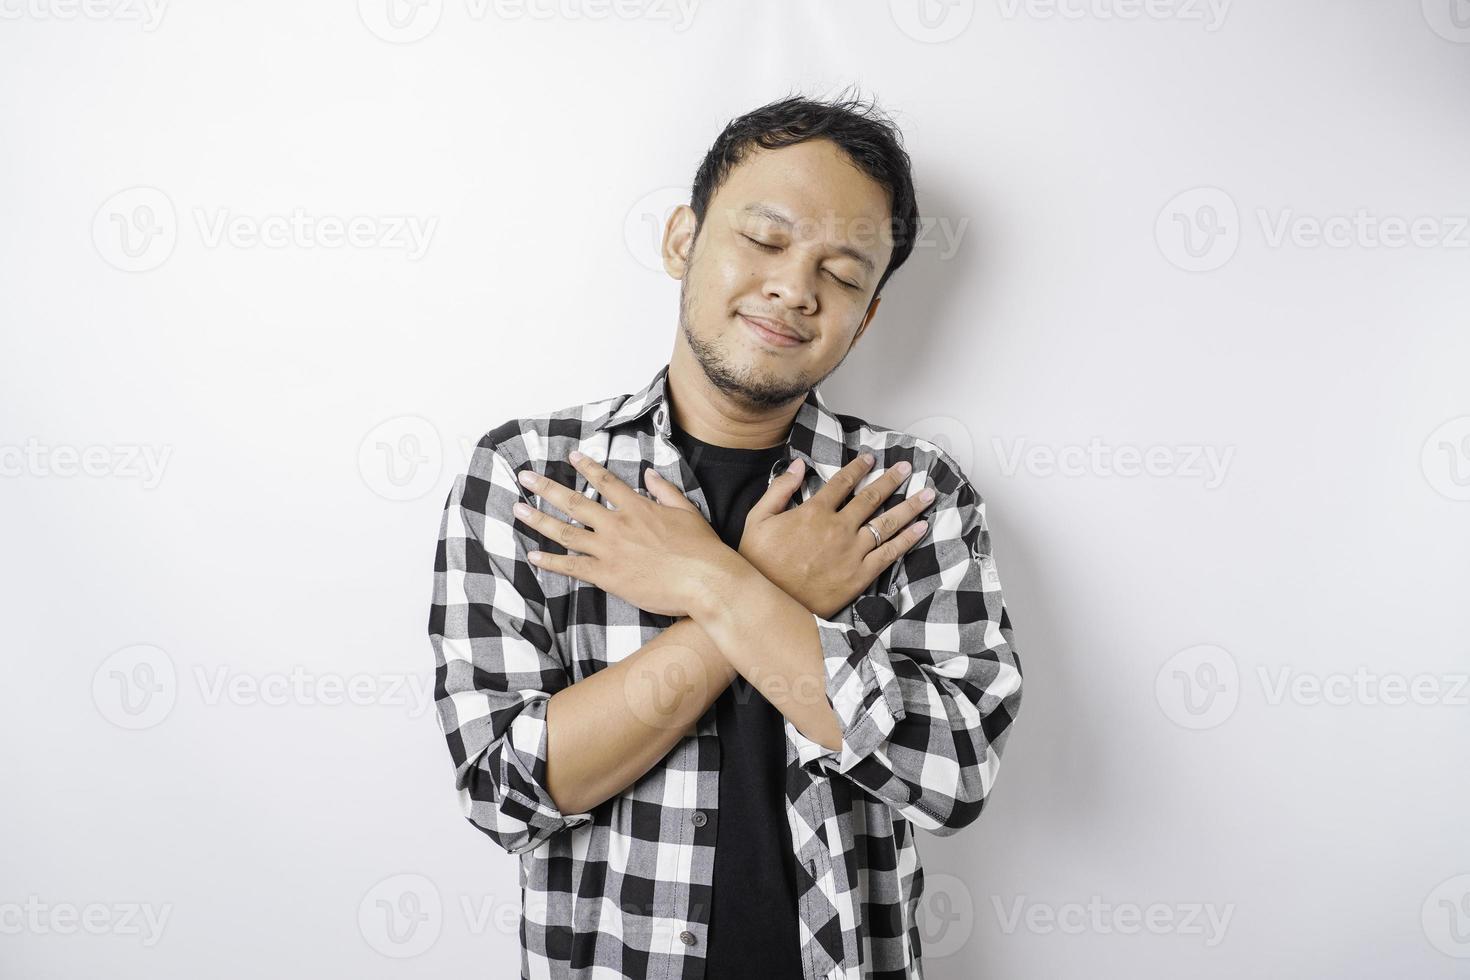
(771,332)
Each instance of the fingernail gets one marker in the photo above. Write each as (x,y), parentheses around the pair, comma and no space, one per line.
(575,456)
(521,510)
(868,457)
(795,465)
(904,467)
(920,527)
(527,478)
(927,494)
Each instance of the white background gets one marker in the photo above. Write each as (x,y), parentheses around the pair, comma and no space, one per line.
(306,405)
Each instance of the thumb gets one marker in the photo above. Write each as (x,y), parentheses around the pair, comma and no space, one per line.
(665,492)
(777,495)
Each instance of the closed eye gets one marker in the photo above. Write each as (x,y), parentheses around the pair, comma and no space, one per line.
(775,248)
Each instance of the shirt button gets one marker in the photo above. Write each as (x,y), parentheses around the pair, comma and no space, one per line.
(699,819)
(687,938)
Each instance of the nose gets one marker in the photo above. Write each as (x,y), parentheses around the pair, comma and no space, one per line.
(790,283)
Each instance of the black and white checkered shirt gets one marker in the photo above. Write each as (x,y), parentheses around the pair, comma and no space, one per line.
(920,669)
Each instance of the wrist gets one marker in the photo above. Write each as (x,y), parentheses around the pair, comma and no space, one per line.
(728,577)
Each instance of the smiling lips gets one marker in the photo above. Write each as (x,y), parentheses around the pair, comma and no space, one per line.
(771,332)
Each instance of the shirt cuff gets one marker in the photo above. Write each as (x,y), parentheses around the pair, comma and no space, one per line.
(864,693)
(535,805)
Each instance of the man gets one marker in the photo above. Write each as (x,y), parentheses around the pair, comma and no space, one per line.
(705,715)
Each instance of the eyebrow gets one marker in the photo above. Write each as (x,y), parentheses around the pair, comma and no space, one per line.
(778,217)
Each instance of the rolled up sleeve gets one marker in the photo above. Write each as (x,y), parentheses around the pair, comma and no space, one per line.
(496,663)
(926,682)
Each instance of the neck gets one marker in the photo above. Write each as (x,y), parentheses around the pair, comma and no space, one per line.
(713,416)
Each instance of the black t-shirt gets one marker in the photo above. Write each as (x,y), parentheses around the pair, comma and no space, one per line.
(753,922)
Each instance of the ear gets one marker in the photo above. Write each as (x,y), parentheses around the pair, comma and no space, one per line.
(867,319)
(678,243)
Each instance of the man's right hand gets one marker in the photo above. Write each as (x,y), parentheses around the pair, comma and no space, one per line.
(818,552)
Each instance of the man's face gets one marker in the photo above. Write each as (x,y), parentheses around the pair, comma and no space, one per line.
(796,238)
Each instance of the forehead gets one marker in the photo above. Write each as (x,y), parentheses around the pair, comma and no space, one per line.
(814,185)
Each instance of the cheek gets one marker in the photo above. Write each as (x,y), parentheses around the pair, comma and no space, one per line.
(727,274)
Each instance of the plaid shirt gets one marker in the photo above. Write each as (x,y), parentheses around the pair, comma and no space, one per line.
(920,670)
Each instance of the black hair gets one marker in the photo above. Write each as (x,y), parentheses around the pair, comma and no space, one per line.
(865,134)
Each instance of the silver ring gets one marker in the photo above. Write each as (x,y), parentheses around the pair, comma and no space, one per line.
(877,535)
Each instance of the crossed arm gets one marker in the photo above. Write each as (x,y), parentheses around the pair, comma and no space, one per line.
(916,712)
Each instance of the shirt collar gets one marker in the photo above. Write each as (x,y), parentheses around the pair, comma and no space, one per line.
(816,435)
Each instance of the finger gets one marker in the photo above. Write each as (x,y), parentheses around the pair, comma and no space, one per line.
(892,520)
(836,490)
(576,566)
(778,494)
(612,489)
(898,515)
(575,505)
(665,492)
(889,551)
(868,499)
(569,536)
